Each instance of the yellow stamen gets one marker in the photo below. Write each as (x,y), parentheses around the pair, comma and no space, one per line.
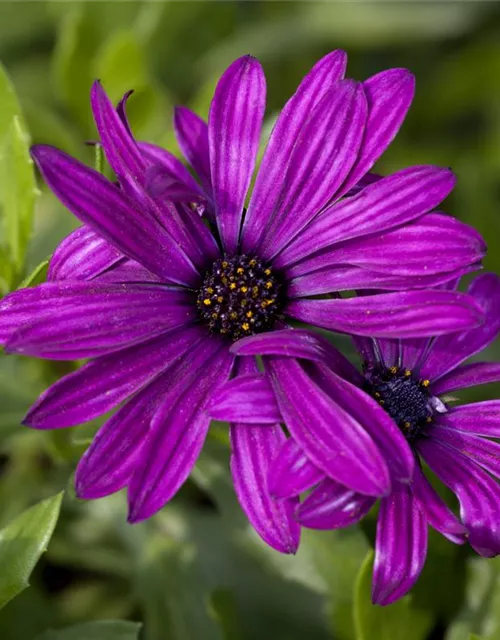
(207,302)
(245,326)
(240,270)
(269,284)
(249,314)
(220,299)
(232,285)
(407,373)
(393,370)
(426,383)
(244,289)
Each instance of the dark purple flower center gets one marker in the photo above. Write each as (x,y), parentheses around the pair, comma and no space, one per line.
(406,399)
(240,296)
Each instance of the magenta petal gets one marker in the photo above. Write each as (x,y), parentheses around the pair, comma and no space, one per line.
(234,127)
(449,351)
(477,492)
(248,398)
(390,202)
(468,375)
(128,271)
(297,343)
(373,419)
(332,439)
(332,506)
(391,315)
(82,255)
(292,472)
(400,548)
(192,135)
(109,462)
(481,418)
(105,208)
(389,95)
(322,77)
(72,320)
(254,449)
(102,384)
(178,429)
(322,156)
(437,513)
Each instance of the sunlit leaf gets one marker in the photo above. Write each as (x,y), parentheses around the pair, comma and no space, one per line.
(399,620)
(22,542)
(37,276)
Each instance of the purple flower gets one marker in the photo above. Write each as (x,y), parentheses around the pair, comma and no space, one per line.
(402,399)
(153,294)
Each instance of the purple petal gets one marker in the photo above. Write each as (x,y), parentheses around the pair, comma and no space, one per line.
(103,207)
(178,429)
(297,343)
(128,271)
(481,418)
(121,110)
(389,95)
(448,352)
(130,166)
(484,452)
(292,472)
(82,255)
(435,243)
(390,202)
(102,384)
(108,464)
(332,506)
(192,135)
(373,419)
(477,492)
(249,398)
(292,118)
(467,375)
(322,156)
(72,320)
(332,439)
(172,166)
(391,315)
(347,278)
(234,127)
(253,452)
(400,547)
(436,511)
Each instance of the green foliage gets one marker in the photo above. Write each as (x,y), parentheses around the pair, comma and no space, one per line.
(104,630)
(22,542)
(399,620)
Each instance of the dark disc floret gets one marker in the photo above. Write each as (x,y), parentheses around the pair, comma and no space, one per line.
(406,399)
(240,296)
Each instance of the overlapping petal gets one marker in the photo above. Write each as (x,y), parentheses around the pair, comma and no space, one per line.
(248,398)
(192,135)
(292,472)
(467,375)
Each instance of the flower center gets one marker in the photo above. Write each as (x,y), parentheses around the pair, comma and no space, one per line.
(240,296)
(405,399)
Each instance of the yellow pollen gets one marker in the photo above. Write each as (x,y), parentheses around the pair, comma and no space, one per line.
(426,383)
(393,370)
(220,299)
(207,302)
(243,303)
(406,425)
(245,326)
(224,281)
(407,373)
(428,419)
(244,289)
(377,394)
(249,314)
(234,315)
(381,402)
(252,263)
(269,284)
(269,301)
(210,290)
(215,316)
(225,264)
(240,270)
(267,272)
(232,285)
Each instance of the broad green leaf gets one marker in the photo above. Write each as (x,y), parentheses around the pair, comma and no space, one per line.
(37,276)
(22,542)
(399,620)
(18,191)
(9,104)
(224,609)
(102,630)
(474,637)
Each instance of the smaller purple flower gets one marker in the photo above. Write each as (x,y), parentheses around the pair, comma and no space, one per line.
(412,383)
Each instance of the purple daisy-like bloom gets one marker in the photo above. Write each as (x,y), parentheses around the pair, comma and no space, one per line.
(403,398)
(154,294)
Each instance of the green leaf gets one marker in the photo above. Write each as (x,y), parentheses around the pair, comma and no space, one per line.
(9,104)
(399,620)
(22,542)
(37,276)
(102,630)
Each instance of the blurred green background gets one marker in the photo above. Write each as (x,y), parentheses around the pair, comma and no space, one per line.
(196,571)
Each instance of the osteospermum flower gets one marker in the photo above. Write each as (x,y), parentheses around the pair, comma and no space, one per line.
(154,295)
(403,397)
